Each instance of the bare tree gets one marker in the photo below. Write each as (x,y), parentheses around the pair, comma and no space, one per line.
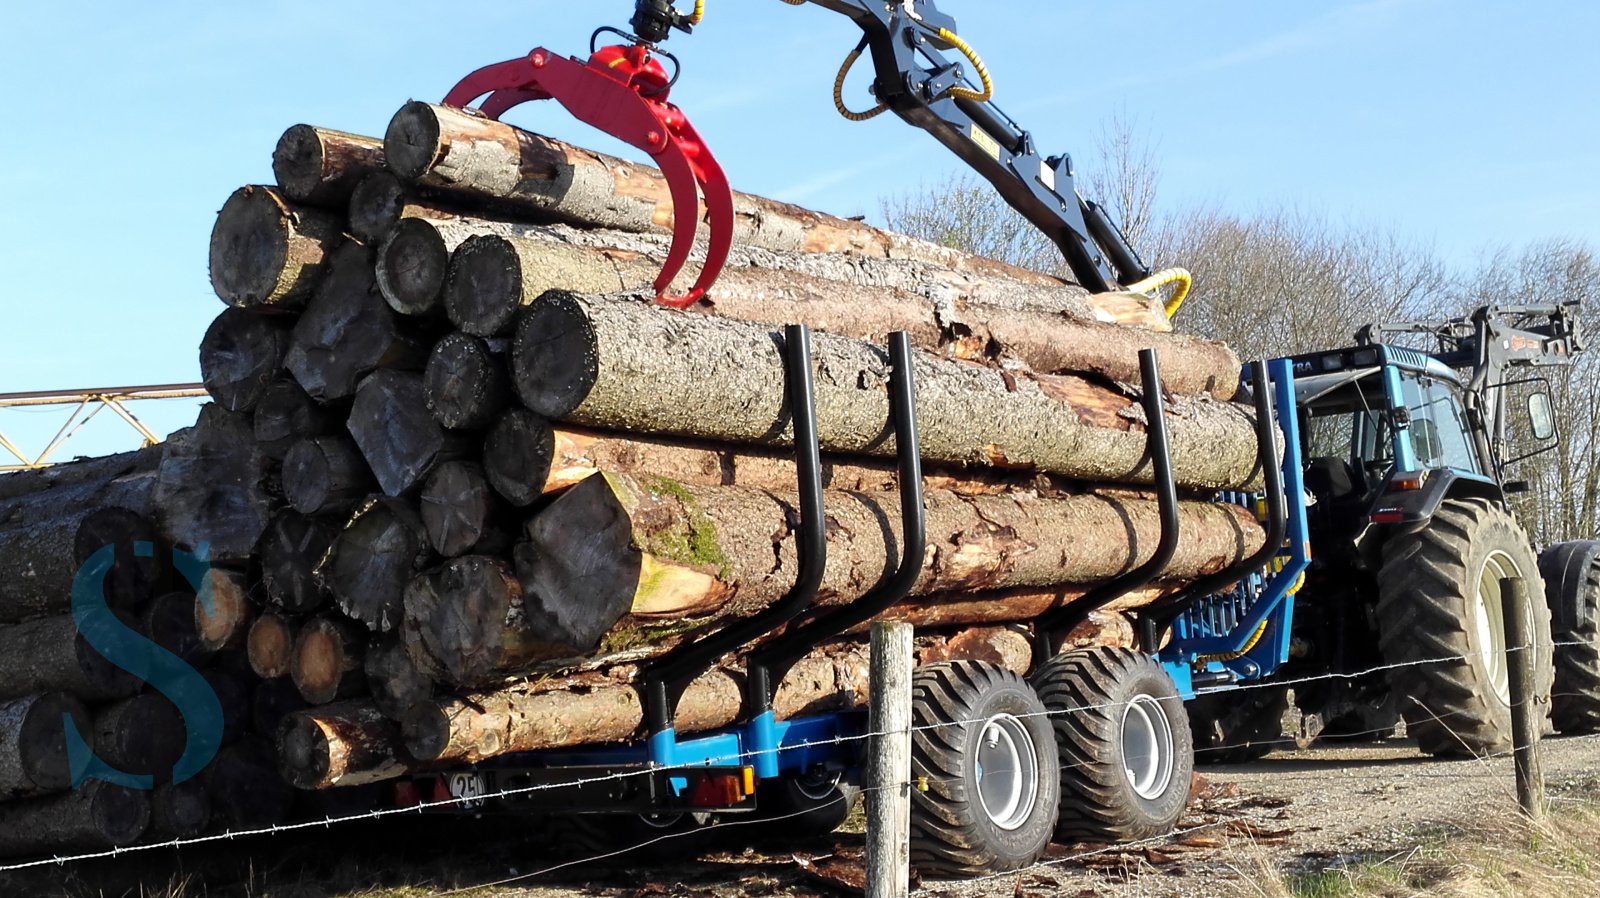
(1124,175)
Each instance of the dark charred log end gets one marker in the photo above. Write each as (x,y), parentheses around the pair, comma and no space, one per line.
(376,205)
(181,809)
(245,787)
(578,568)
(412,264)
(299,161)
(249,247)
(147,737)
(484,290)
(284,415)
(396,682)
(134,575)
(121,815)
(170,624)
(43,740)
(372,561)
(465,383)
(426,730)
(290,551)
(517,454)
(303,756)
(325,474)
(411,142)
(397,434)
(554,359)
(240,355)
(457,505)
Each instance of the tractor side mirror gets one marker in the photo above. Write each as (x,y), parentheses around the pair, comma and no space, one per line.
(1541,417)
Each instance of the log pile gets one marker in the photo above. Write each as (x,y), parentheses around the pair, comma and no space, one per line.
(461,478)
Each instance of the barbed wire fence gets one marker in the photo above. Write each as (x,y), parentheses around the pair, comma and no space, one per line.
(1484,771)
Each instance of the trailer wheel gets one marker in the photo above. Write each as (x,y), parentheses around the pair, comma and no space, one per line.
(1239,725)
(981,743)
(1126,754)
(1441,621)
(1572,581)
(810,804)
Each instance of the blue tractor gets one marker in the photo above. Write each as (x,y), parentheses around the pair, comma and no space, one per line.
(1402,500)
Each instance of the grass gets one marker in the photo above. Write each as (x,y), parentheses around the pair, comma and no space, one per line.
(1493,859)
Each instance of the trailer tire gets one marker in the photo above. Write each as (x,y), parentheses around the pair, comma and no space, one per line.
(1441,621)
(1238,725)
(1127,757)
(808,805)
(1572,582)
(965,715)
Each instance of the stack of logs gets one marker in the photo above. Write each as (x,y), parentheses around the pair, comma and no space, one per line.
(461,478)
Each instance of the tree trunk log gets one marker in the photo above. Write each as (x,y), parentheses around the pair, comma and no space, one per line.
(142,735)
(396,683)
(240,355)
(270,645)
(414,260)
(290,552)
(33,743)
(658,550)
(169,621)
(326,474)
(349,331)
(268,253)
(469,615)
(399,438)
(466,382)
(326,662)
(612,363)
(94,817)
(492,277)
(286,414)
(346,744)
(26,486)
(50,655)
(210,486)
(180,810)
(459,511)
(223,611)
(41,555)
(133,575)
(438,147)
(321,167)
(373,560)
(246,790)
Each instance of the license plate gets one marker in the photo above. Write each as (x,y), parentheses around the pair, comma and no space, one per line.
(467,788)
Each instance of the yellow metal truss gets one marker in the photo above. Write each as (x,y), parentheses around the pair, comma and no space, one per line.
(85,405)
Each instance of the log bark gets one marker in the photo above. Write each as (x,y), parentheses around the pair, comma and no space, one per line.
(609,363)
(460,512)
(321,167)
(616,552)
(42,553)
(326,662)
(223,611)
(141,735)
(290,551)
(349,331)
(344,744)
(270,645)
(210,489)
(240,355)
(493,277)
(438,147)
(326,474)
(50,655)
(180,810)
(169,621)
(245,788)
(96,816)
(24,487)
(396,682)
(373,559)
(268,253)
(469,616)
(466,382)
(400,440)
(286,414)
(33,743)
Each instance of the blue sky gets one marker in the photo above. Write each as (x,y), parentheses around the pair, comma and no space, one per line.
(1469,124)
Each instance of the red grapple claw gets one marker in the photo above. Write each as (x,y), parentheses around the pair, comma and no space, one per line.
(622,90)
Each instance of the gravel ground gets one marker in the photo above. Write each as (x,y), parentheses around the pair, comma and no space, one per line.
(1292,809)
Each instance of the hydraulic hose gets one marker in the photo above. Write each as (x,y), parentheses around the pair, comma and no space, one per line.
(1178,276)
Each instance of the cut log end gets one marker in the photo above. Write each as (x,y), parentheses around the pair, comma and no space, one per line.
(426,730)
(40,740)
(223,611)
(373,559)
(284,415)
(266,252)
(397,684)
(271,646)
(326,662)
(377,204)
(457,508)
(180,809)
(412,264)
(486,285)
(322,166)
(398,436)
(121,815)
(137,569)
(555,360)
(412,141)
(325,474)
(290,552)
(469,615)
(240,355)
(466,384)
(517,454)
(170,624)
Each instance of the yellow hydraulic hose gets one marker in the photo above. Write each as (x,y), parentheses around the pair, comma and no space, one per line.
(1234,656)
(838,90)
(967,93)
(1178,276)
(699,12)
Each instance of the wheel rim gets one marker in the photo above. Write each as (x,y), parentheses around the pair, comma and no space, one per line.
(818,785)
(1147,747)
(1489,612)
(1007,771)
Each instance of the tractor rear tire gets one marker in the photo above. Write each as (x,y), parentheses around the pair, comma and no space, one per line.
(982,744)
(1127,757)
(1441,623)
(1572,580)
(1237,726)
